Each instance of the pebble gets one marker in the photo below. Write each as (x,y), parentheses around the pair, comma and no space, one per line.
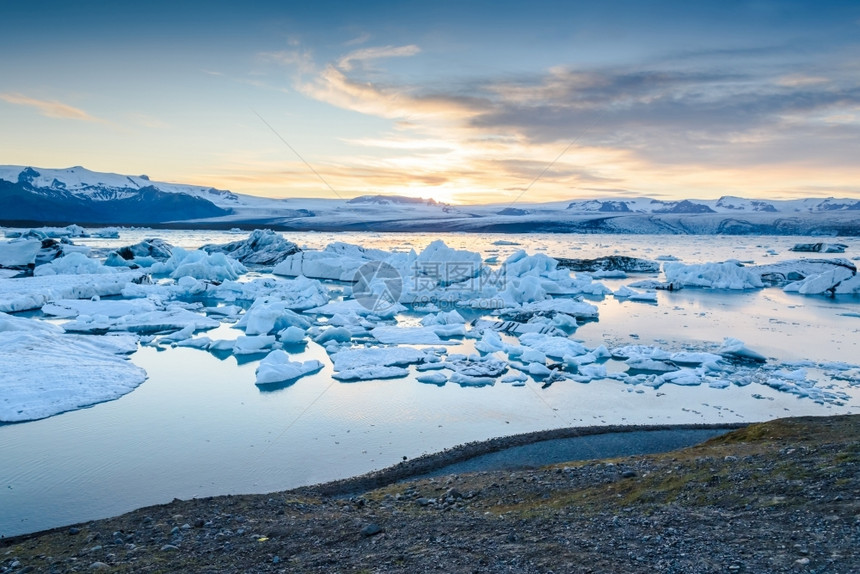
(99,566)
(371,529)
(73,530)
(169,547)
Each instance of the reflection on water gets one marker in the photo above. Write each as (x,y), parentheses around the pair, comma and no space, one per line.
(199,425)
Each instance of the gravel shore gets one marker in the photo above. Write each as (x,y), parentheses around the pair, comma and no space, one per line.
(781,496)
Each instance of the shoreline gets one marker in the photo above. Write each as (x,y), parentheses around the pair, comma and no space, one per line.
(424,465)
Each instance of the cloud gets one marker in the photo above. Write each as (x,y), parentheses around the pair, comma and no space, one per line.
(50,109)
(347,62)
(658,129)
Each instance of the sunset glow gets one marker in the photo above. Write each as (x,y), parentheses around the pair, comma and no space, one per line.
(459,102)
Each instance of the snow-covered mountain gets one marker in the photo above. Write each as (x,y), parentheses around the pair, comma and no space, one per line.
(78,195)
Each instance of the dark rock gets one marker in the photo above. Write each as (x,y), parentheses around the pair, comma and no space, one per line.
(628,474)
(371,529)
(611,263)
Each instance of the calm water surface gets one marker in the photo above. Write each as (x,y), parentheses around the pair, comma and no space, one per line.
(199,426)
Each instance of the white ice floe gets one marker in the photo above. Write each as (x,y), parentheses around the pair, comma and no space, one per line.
(432,378)
(736,348)
(46,372)
(477,366)
(151,322)
(431,335)
(556,347)
(20,253)
(113,308)
(72,264)
(353,307)
(406,335)
(269,315)
(337,262)
(27,293)
(820,247)
(253,344)
(199,265)
(375,362)
(276,367)
(625,292)
(452,317)
(727,275)
(837,281)
(262,247)
(336,334)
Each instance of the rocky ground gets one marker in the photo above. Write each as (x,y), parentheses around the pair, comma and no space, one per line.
(782,496)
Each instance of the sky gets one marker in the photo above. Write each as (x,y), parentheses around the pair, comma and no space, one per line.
(459,101)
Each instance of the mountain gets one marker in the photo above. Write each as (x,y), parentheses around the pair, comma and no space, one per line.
(77,195)
(31,195)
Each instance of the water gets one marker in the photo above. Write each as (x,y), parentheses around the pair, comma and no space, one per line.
(199,426)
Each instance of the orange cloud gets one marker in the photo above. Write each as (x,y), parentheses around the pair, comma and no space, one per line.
(50,109)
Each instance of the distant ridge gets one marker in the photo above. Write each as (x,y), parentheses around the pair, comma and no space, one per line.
(40,196)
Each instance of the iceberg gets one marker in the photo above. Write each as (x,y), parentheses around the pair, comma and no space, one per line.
(262,247)
(46,372)
(727,275)
(276,367)
(29,293)
(199,265)
(72,264)
(19,254)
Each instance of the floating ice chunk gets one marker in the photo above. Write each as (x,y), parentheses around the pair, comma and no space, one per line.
(820,247)
(728,275)
(567,306)
(337,334)
(406,336)
(490,342)
(737,349)
(694,358)
(556,347)
(276,367)
(112,308)
(611,263)
(514,377)
(19,254)
(648,364)
(46,372)
(72,264)
(196,343)
(448,331)
(222,346)
(476,365)
(452,317)
(27,293)
(382,356)
(625,292)
(840,279)
(200,265)
(269,315)
(292,336)
(150,322)
(434,378)
(262,247)
(538,370)
(251,344)
(532,356)
(640,351)
(148,250)
(471,380)
(370,373)
(351,306)
(684,377)
(592,371)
